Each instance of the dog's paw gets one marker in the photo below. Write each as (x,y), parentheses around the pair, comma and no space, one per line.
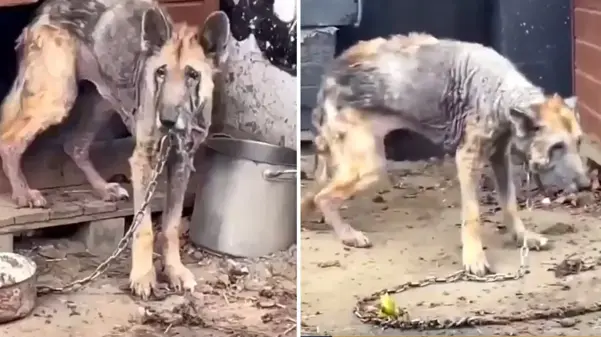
(533,240)
(180,277)
(355,238)
(29,198)
(142,281)
(474,260)
(113,192)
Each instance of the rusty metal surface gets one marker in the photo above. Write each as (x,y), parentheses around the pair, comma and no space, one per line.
(192,12)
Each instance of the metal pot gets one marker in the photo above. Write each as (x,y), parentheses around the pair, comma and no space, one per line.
(246,202)
(17,286)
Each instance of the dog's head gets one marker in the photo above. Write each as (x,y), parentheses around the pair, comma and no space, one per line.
(179,69)
(549,136)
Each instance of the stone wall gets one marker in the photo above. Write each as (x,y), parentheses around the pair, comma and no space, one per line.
(259,80)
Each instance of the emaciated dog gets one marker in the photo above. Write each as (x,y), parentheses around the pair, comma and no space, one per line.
(157,76)
(466,98)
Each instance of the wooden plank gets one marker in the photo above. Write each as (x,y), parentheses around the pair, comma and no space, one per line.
(80,206)
(9,3)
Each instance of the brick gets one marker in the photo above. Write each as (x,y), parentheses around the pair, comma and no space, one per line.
(586,58)
(587,26)
(6,243)
(591,121)
(101,236)
(587,4)
(588,89)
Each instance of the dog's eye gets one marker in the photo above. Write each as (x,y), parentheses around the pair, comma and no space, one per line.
(557,149)
(161,72)
(192,74)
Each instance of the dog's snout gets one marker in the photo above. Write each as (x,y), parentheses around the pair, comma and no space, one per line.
(583,182)
(539,166)
(169,118)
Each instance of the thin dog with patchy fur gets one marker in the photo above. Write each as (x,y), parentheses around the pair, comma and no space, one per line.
(156,75)
(465,97)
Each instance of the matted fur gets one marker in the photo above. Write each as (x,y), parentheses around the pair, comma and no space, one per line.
(463,96)
(124,56)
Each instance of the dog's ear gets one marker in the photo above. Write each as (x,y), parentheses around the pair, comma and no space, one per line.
(523,120)
(571,102)
(156,29)
(214,36)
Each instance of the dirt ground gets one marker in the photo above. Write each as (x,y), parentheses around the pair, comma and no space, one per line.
(235,297)
(414,225)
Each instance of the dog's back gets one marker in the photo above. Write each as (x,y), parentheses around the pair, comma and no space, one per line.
(108,32)
(428,85)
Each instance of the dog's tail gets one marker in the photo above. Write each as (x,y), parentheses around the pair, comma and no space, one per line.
(321,154)
(321,173)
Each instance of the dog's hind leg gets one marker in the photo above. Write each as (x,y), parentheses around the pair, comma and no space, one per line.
(469,160)
(358,162)
(93,112)
(501,166)
(178,175)
(41,96)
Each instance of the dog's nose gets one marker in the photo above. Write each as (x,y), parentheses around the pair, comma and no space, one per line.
(583,182)
(167,122)
(168,117)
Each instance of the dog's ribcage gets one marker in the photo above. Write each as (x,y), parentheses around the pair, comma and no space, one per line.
(110,48)
(433,90)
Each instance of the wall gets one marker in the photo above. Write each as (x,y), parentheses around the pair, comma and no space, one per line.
(587,73)
(259,91)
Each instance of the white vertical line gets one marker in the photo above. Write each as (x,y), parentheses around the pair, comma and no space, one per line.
(297,4)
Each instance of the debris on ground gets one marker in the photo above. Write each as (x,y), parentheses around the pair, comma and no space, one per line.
(234,296)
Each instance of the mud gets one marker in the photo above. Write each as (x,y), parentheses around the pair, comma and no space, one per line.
(235,297)
(414,225)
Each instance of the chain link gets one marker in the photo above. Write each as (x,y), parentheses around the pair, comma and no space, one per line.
(368,312)
(529,202)
(163,152)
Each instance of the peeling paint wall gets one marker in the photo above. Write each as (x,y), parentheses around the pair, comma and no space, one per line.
(257,96)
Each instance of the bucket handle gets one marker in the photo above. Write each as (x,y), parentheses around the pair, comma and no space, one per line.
(279,175)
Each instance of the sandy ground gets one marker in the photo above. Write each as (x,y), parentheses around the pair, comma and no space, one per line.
(414,226)
(235,297)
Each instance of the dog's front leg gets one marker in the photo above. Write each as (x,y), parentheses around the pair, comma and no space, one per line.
(143,275)
(502,169)
(178,175)
(468,159)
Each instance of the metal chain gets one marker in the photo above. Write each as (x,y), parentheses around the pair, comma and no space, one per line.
(529,202)
(368,312)
(163,151)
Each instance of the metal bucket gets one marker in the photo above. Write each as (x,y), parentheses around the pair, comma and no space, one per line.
(18,275)
(246,202)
